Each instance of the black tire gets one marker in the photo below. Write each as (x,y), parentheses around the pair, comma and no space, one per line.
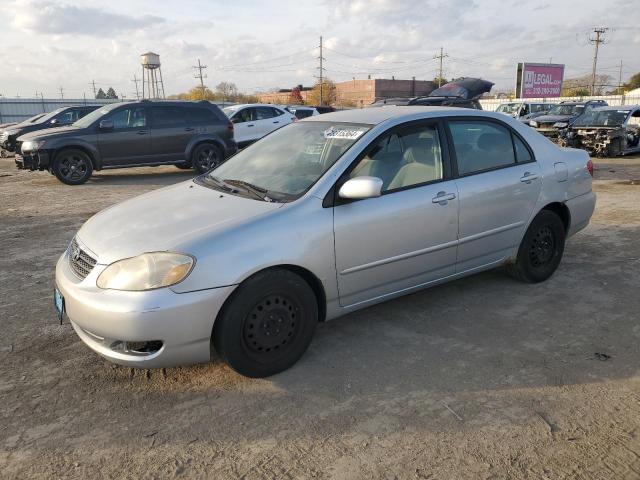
(541,249)
(184,165)
(72,166)
(267,325)
(205,157)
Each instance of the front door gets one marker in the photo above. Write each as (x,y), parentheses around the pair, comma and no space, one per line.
(129,142)
(499,184)
(245,128)
(406,237)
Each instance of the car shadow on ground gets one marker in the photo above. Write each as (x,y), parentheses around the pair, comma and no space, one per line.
(141,176)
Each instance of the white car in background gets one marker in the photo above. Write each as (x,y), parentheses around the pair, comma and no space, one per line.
(302,112)
(253,121)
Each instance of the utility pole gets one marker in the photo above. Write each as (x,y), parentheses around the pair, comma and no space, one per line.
(93,84)
(321,68)
(135,80)
(599,38)
(620,91)
(199,75)
(61,93)
(440,57)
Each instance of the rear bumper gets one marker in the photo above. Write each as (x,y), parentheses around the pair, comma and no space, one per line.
(581,208)
(178,325)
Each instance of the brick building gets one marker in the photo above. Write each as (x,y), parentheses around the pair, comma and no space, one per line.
(360,93)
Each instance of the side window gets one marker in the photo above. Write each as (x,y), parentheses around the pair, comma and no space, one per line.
(277,112)
(481,146)
(244,115)
(523,154)
(69,116)
(263,113)
(410,156)
(128,118)
(167,117)
(201,115)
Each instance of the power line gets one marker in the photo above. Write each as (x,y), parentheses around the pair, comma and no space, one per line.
(441,56)
(199,75)
(599,32)
(135,80)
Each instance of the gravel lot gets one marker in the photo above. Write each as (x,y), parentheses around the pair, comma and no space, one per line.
(480,378)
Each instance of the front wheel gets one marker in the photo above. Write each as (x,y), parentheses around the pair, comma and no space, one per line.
(267,324)
(541,249)
(72,166)
(205,157)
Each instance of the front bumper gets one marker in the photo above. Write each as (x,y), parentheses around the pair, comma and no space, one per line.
(37,160)
(548,132)
(180,324)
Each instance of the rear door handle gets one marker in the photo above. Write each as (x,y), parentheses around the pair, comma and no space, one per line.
(189,129)
(443,197)
(528,177)
(142,132)
(250,125)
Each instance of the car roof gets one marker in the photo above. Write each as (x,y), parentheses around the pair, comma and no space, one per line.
(619,107)
(374,116)
(242,105)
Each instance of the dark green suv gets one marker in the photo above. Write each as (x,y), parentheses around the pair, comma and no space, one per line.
(186,134)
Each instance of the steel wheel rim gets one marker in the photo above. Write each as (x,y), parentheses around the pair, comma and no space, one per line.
(272,325)
(208,158)
(543,247)
(73,167)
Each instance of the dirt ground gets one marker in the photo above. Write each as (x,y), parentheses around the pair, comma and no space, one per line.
(482,378)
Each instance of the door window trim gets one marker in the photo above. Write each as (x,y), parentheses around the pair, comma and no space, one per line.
(331,199)
(454,157)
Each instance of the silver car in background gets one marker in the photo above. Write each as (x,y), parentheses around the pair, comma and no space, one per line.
(320,218)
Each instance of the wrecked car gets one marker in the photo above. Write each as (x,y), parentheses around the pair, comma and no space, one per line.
(525,111)
(463,92)
(561,116)
(606,131)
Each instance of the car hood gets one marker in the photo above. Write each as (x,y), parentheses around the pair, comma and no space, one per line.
(171,218)
(48,133)
(553,118)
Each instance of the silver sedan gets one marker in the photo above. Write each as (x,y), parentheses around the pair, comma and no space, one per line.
(318,219)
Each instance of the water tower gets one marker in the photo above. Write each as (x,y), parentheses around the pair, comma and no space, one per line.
(152,85)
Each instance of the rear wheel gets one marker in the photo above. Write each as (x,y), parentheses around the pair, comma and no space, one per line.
(72,166)
(205,157)
(267,324)
(541,249)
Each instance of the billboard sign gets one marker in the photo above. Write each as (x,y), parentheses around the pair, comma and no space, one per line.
(539,80)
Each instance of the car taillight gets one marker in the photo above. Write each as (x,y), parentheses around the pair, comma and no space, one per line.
(294,119)
(230,127)
(590,167)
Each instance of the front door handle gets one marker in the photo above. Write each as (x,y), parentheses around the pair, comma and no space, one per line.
(443,197)
(189,129)
(142,132)
(528,177)
(278,121)
(250,125)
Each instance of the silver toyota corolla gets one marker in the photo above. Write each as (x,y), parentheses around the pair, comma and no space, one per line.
(320,218)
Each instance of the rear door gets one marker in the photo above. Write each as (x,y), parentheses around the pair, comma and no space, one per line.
(267,121)
(170,132)
(498,183)
(130,140)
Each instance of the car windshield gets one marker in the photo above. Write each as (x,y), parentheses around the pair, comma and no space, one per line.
(228,111)
(91,117)
(509,108)
(566,110)
(602,118)
(286,163)
(48,116)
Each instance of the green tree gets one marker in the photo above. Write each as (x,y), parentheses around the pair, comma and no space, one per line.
(111,93)
(101,95)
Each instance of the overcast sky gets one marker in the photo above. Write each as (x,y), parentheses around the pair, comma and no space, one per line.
(260,45)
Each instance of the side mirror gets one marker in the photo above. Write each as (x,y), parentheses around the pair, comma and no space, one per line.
(361,187)
(54,121)
(106,125)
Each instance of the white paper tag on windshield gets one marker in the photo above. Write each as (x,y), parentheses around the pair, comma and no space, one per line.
(345,133)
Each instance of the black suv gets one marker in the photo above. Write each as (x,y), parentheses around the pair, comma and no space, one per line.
(58,118)
(134,134)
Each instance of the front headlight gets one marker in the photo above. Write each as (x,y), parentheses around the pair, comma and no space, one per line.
(560,124)
(146,272)
(32,145)
(533,123)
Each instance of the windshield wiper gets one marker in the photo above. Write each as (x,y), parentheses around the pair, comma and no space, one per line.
(219,183)
(261,193)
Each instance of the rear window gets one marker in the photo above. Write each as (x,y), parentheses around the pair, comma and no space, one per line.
(168,116)
(201,115)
